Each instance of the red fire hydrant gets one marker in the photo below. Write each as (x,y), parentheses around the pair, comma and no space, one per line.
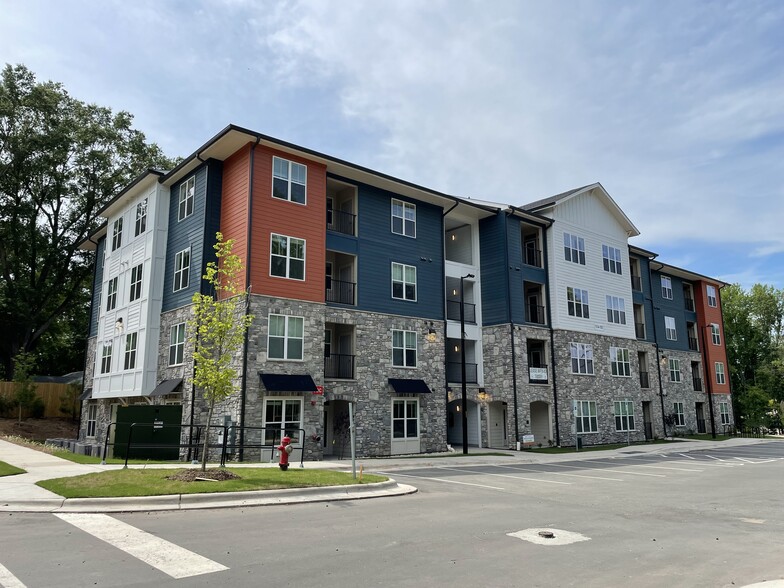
(285,448)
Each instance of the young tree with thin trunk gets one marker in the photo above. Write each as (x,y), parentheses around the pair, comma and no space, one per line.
(24,396)
(216,331)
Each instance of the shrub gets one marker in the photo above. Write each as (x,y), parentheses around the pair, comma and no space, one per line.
(37,408)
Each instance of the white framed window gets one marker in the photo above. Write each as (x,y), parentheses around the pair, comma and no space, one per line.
(185,203)
(404,282)
(131,340)
(719,368)
(624,415)
(611,257)
(177,344)
(111,294)
(582,358)
(577,302)
(287,257)
(616,310)
(574,248)
(711,290)
(136,283)
(182,268)
(282,417)
(724,410)
(680,417)
(106,358)
(327,342)
(404,348)
(286,337)
(289,180)
(403,218)
(669,328)
(92,419)
(666,286)
(117,234)
(141,218)
(675,369)
(405,418)
(715,334)
(585,417)
(619,362)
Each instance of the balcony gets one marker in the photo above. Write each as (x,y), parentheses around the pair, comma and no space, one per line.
(639,330)
(697,384)
(693,343)
(532,256)
(340,366)
(535,314)
(644,380)
(453,311)
(689,303)
(637,283)
(341,222)
(537,374)
(454,372)
(340,291)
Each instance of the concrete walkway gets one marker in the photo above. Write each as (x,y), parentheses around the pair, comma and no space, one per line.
(20,494)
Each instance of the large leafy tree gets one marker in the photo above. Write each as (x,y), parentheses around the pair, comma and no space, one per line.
(61,159)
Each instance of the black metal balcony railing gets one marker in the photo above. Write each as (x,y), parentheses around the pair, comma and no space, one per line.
(693,343)
(639,330)
(339,365)
(453,372)
(341,222)
(689,303)
(453,311)
(535,314)
(637,283)
(537,374)
(340,291)
(532,256)
(644,381)
(697,384)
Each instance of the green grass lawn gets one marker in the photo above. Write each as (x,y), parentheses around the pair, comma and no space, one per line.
(6,469)
(595,447)
(138,482)
(707,437)
(89,459)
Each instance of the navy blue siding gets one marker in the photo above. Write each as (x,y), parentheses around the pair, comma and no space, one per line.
(183,234)
(492,264)
(675,308)
(97,287)
(212,211)
(342,243)
(644,296)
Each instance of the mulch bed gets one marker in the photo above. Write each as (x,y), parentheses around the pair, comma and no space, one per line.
(193,474)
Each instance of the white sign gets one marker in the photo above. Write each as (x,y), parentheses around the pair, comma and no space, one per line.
(528,439)
(537,373)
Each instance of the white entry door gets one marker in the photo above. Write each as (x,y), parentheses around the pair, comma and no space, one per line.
(405,426)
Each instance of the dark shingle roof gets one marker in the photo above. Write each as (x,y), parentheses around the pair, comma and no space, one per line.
(553,199)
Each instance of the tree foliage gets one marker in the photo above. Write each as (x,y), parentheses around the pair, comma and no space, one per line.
(216,332)
(61,160)
(24,394)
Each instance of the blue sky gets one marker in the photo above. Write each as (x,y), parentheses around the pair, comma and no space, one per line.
(677,108)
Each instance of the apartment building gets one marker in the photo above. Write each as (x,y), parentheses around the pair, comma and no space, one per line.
(358,283)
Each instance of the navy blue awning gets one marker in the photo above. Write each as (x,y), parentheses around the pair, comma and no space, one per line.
(288,382)
(403,386)
(166,387)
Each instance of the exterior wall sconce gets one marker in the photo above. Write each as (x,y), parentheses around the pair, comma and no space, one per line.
(118,326)
(431,335)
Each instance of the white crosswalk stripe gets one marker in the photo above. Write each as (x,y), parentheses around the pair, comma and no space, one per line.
(8,580)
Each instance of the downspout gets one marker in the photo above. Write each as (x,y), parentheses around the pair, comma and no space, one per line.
(708,383)
(656,342)
(511,325)
(243,388)
(724,345)
(443,290)
(552,342)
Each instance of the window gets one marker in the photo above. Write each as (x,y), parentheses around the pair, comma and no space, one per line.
(182,266)
(177,344)
(724,410)
(282,417)
(715,334)
(585,416)
(582,358)
(403,218)
(577,302)
(92,418)
(719,372)
(130,351)
(624,415)
(117,234)
(106,358)
(666,286)
(574,249)
(619,362)
(327,342)
(680,419)
(287,257)
(404,282)
(185,207)
(711,295)
(612,259)
(669,328)
(404,348)
(136,283)
(141,218)
(405,418)
(111,294)
(286,337)
(616,310)
(675,370)
(289,180)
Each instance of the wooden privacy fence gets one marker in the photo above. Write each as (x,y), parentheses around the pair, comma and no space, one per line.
(53,396)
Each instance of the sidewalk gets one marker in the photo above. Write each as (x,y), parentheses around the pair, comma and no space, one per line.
(20,494)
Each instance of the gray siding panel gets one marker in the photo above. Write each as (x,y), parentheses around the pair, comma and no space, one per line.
(493,268)
(212,212)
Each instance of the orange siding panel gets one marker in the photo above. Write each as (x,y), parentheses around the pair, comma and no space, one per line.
(706,315)
(234,202)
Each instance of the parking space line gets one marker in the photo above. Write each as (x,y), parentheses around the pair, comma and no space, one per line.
(396,474)
(686,456)
(8,580)
(171,559)
(559,473)
(505,476)
(716,458)
(656,467)
(611,466)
